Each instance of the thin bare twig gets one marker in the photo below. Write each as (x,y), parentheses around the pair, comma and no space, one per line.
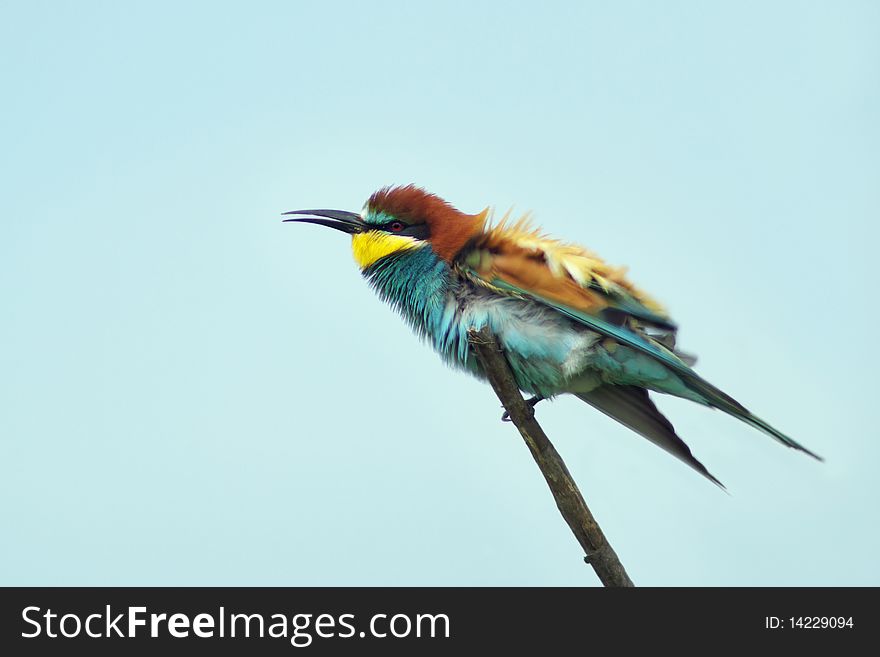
(599,553)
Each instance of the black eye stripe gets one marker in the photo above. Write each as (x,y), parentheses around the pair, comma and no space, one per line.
(419,231)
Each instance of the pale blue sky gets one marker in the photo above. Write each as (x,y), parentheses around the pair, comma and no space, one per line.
(194,393)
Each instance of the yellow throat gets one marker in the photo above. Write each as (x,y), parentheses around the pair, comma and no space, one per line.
(368,247)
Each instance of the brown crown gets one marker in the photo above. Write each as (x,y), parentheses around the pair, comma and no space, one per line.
(450,229)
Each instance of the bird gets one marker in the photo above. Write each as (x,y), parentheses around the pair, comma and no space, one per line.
(567,321)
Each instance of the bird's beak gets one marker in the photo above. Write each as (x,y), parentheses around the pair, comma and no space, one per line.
(348,222)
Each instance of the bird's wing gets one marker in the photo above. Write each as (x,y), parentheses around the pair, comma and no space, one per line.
(519,261)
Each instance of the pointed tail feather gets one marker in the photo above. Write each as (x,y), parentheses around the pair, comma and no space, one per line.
(632,407)
(712,396)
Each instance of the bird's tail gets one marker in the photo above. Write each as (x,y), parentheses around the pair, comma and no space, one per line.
(632,407)
(709,395)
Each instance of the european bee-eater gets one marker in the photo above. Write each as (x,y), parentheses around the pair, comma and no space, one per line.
(568,322)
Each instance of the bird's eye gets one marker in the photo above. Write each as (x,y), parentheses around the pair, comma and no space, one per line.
(396,226)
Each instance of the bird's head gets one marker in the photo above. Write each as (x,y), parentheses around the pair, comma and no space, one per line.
(397,219)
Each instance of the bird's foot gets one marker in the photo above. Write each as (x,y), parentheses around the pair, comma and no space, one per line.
(531,402)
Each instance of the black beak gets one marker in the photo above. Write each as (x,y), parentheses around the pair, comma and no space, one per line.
(347,222)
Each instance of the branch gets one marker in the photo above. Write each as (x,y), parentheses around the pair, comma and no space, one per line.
(571,504)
